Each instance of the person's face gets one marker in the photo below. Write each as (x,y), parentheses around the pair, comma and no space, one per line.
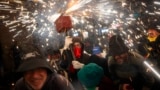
(56,57)
(77,49)
(77,44)
(121,58)
(152,33)
(36,78)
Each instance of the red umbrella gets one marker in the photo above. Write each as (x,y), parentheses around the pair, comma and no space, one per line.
(63,24)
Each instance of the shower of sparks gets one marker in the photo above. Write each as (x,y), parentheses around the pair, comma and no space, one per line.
(78,4)
(98,18)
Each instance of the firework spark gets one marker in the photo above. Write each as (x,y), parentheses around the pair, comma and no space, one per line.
(100,18)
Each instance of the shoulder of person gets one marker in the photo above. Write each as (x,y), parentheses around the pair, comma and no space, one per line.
(136,58)
(57,78)
(20,85)
(136,55)
(61,82)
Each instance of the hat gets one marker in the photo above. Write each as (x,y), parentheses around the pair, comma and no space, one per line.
(117,45)
(96,50)
(153,26)
(90,75)
(32,61)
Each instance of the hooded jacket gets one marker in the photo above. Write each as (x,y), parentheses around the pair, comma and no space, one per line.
(132,70)
(67,55)
(54,82)
(34,60)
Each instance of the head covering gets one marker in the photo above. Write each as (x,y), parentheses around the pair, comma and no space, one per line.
(32,61)
(90,75)
(153,27)
(117,45)
(96,50)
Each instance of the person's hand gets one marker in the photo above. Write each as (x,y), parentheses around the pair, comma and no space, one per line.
(149,48)
(68,41)
(77,64)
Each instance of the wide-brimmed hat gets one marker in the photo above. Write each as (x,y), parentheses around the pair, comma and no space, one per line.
(32,61)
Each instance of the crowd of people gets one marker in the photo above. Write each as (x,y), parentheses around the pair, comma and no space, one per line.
(70,68)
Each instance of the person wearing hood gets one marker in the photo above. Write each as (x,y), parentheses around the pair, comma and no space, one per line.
(127,68)
(37,74)
(73,58)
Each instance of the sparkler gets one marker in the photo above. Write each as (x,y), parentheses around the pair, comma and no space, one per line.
(152,69)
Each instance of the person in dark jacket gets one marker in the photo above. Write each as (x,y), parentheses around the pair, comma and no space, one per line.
(154,49)
(154,45)
(127,68)
(37,74)
(72,54)
(98,58)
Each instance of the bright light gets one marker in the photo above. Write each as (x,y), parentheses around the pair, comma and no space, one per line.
(152,69)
